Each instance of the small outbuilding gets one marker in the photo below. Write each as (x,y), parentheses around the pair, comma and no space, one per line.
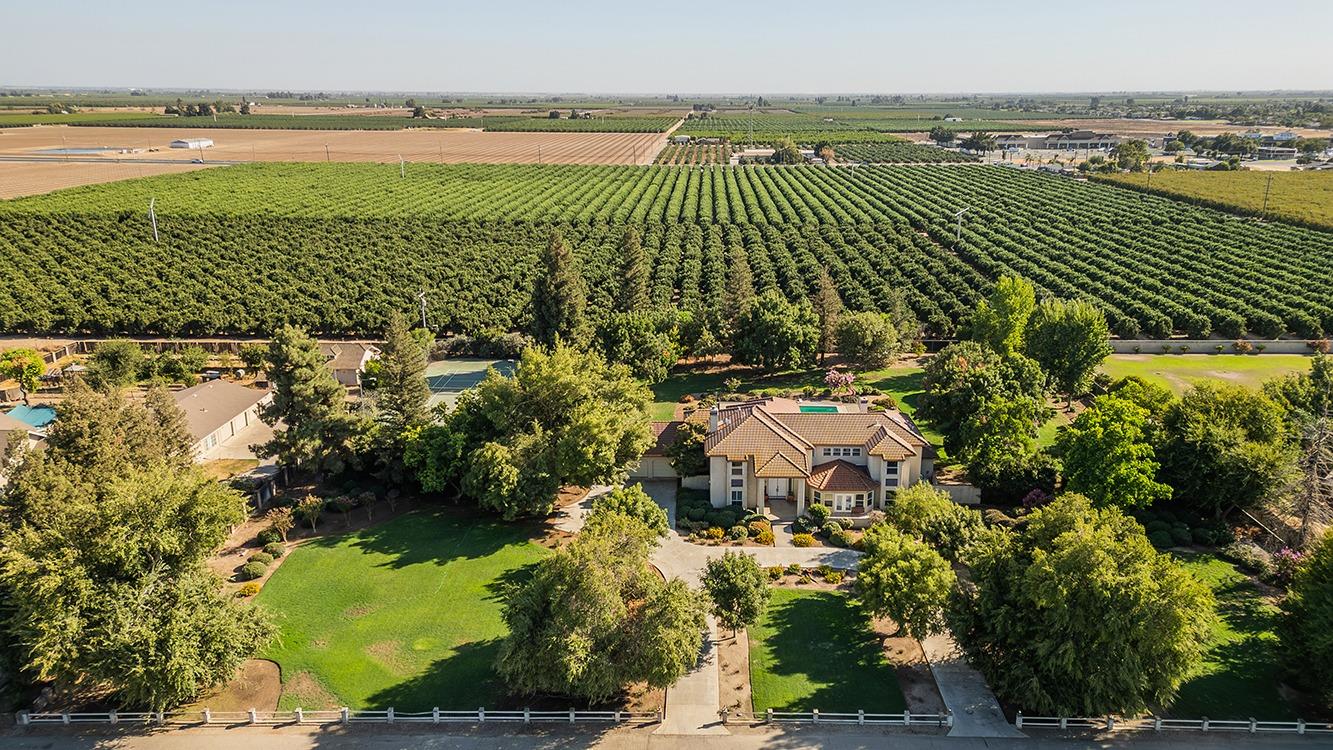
(216,410)
(197,144)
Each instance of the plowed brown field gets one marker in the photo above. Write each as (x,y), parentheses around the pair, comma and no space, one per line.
(32,178)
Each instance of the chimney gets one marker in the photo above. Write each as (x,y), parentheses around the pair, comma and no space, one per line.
(863,404)
(712,418)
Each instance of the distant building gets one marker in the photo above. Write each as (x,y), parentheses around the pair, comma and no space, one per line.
(1276,152)
(347,360)
(197,144)
(1078,140)
(680,139)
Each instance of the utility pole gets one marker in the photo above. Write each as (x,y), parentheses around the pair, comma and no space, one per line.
(327,158)
(422,297)
(1268,186)
(152,216)
(958,217)
(402,167)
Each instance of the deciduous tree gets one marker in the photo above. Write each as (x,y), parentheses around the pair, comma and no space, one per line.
(905,580)
(1305,635)
(964,377)
(1109,457)
(1075,614)
(868,339)
(1000,321)
(25,366)
(775,334)
(115,363)
(738,589)
(1070,340)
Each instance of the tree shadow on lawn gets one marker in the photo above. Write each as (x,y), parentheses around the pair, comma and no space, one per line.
(462,681)
(433,535)
(824,638)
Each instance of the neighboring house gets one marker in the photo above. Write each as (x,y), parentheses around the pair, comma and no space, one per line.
(216,410)
(779,455)
(656,464)
(1078,140)
(12,432)
(347,359)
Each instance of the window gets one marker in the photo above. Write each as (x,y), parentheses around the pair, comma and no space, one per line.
(828,451)
(737,496)
(860,498)
(737,469)
(856,451)
(842,451)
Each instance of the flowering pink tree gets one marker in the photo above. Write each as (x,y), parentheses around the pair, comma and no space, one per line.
(839,380)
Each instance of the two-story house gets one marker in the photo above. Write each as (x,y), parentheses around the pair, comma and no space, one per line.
(779,455)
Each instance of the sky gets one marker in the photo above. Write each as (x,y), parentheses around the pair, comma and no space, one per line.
(738,47)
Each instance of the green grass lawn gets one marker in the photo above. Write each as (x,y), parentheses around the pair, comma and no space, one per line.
(1239,677)
(1179,371)
(814,649)
(403,614)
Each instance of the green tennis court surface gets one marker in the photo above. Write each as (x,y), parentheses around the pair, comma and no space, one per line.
(450,377)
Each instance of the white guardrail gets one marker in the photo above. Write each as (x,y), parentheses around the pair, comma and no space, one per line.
(1159,724)
(336,716)
(905,719)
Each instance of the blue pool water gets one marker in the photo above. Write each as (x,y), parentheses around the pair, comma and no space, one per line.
(37,416)
(819,409)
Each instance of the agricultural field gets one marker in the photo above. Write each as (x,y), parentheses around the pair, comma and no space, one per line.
(276,122)
(897,153)
(26,119)
(594,125)
(694,154)
(335,247)
(439,145)
(1299,197)
(34,178)
(842,125)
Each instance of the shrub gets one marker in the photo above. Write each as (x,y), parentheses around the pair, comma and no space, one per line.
(1250,557)
(834,577)
(1320,345)
(263,558)
(269,536)
(819,514)
(765,538)
(824,569)
(997,517)
(802,540)
(840,538)
(250,588)
(758,527)
(793,569)
(1242,346)
(715,532)
(932,516)
(696,514)
(275,549)
(831,528)
(775,572)
(251,571)
(1203,536)
(1160,539)
(1180,534)
(738,533)
(800,526)
(721,517)
(1285,564)
(1157,525)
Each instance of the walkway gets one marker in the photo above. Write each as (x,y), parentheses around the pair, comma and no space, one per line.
(692,704)
(976,713)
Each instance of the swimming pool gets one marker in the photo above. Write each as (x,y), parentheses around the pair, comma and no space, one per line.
(38,416)
(819,409)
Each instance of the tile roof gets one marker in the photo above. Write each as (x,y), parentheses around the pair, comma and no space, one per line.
(841,476)
(782,465)
(346,355)
(754,429)
(665,434)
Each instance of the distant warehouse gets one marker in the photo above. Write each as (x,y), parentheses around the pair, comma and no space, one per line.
(195,143)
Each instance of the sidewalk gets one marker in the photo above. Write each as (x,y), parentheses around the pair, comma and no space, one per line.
(976,713)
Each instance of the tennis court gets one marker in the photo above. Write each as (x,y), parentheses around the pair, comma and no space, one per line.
(450,377)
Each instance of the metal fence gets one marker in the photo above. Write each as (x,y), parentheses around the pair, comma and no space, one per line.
(1159,724)
(904,719)
(336,716)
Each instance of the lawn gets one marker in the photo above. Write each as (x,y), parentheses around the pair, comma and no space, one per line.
(815,650)
(1179,371)
(1239,677)
(403,614)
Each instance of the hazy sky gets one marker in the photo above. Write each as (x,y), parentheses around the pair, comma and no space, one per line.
(746,46)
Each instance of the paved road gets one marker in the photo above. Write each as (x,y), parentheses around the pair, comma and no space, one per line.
(793,738)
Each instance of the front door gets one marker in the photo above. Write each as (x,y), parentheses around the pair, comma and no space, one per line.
(842,503)
(777,487)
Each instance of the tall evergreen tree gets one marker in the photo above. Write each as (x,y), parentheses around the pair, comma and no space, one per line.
(402,393)
(558,297)
(633,296)
(739,289)
(309,402)
(828,309)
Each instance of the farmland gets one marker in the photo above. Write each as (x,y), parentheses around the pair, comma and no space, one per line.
(694,154)
(34,178)
(896,153)
(593,125)
(446,145)
(1301,197)
(842,125)
(336,247)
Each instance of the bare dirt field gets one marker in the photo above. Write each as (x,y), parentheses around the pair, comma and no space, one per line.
(439,145)
(18,179)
